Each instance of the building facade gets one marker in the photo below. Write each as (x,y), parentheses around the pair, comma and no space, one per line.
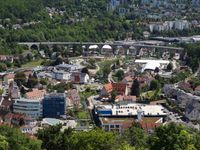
(54,105)
(29,107)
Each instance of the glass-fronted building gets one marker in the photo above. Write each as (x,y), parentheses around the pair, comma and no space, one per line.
(54,105)
(29,107)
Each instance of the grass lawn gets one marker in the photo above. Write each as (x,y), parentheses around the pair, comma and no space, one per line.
(33,63)
(151,94)
(83,115)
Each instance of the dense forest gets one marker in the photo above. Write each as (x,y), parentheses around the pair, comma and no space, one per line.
(168,137)
(61,20)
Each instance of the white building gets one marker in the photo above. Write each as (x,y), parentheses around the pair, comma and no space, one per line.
(130,109)
(152,64)
(69,67)
(169,25)
(61,75)
(29,107)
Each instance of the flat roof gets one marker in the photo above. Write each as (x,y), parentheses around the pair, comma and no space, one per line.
(110,120)
(133,108)
(52,121)
(152,61)
(27,100)
(106,120)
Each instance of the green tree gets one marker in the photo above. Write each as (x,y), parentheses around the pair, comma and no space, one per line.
(32,81)
(3,67)
(58,61)
(95,139)
(171,136)
(170,67)
(135,89)
(20,78)
(154,85)
(113,96)
(136,136)
(4,145)
(156,70)
(120,75)
(85,70)
(12,138)
(54,139)
(51,138)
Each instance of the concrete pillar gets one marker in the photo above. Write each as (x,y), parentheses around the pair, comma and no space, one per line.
(100,48)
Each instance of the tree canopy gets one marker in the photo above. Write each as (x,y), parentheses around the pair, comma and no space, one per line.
(135,89)
(11,138)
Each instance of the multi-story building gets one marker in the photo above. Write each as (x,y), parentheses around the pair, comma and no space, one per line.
(61,75)
(119,117)
(131,109)
(54,105)
(29,107)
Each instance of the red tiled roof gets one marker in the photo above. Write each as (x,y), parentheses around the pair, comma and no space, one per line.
(74,96)
(149,125)
(197,88)
(18,116)
(7,103)
(35,94)
(185,85)
(120,88)
(10,76)
(126,98)
(108,87)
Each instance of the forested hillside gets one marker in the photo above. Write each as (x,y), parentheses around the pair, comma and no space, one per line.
(60,20)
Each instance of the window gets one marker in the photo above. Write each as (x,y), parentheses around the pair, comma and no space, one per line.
(106,127)
(112,126)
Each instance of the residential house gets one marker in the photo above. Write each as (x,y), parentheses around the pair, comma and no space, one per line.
(8,78)
(6,104)
(128,80)
(18,119)
(61,75)
(13,91)
(44,75)
(186,86)
(197,90)
(120,88)
(69,67)
(6,58)
(74,98)
(145,80)
(35,94)
(192,110)
(80,78)
(187,101)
